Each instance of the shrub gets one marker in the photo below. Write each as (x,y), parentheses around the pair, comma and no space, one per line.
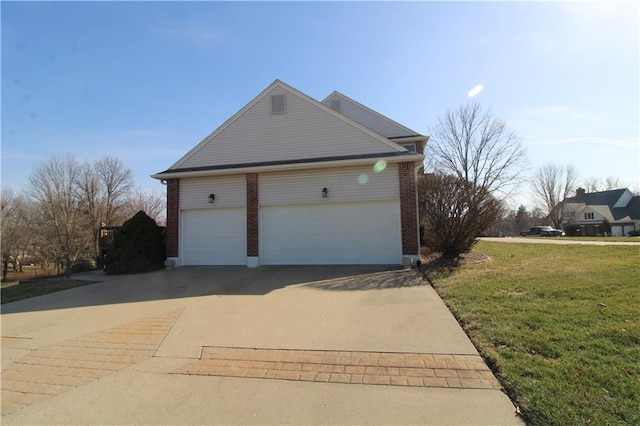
(455,213)
(138,247)
(573,230)
(635,233)
(82,265)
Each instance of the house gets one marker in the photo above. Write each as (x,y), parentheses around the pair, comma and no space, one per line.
(289,180)
(616,212)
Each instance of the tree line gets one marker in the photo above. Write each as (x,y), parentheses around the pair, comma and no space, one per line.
(56,220)
(475,162)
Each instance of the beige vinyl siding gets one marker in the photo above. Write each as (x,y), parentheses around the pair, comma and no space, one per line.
(304,131)
(230,191)
(369,119)
(343,185)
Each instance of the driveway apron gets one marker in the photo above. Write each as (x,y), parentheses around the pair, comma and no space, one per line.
(201,345)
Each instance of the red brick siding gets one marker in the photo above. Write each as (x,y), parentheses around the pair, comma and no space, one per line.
(252,214)
(173,211)
(408,209)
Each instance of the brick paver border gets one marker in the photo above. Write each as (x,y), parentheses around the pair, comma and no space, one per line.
(55,369)
(354,367)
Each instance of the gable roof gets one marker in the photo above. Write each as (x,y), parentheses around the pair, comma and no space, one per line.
(308,132)
(605,204)
(601,198)
(369,118)
(602,210)
(634,207)
(630,212)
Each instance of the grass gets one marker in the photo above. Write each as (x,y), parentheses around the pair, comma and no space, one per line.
(559,325)
(19,290)
(605,239)
(602,239)
(30,272)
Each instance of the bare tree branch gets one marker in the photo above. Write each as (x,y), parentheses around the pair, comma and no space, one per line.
(53,186)
(551,184)
(473,145)
(595,184)
(152,202)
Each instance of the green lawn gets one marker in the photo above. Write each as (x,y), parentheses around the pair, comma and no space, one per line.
(606,239)
(14,291)
(602,239)
(560,326)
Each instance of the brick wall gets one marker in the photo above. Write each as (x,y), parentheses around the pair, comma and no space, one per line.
(252,214)
(173,211)
(408,209)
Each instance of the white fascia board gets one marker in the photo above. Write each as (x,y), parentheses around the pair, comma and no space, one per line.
(417,158)
(420,138)
(622,220)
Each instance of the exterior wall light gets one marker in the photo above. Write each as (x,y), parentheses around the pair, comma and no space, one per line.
(324,192)
(212,198)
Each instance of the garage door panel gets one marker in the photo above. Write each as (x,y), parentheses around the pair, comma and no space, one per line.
(339,233)
(214,237)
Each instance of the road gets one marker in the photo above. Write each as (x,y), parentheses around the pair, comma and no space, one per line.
(558,240)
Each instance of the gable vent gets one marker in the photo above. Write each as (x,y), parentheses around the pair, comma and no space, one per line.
(278,104)
(335,105)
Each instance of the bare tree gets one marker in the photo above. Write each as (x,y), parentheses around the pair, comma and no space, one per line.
(551,184)
(103,189)
(53,187)
(592,184)
(595,184)
(90,195)
(13,230)
(504,224)
(152,202)
(117,182)
(475,156)
(475,146)
(455,213)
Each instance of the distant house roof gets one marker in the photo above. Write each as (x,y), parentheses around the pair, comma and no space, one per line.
(607,204)
(602,198)
(634,207)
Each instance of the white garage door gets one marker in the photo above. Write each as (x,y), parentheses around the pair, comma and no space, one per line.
(617,231)
(331,234)
(214,237)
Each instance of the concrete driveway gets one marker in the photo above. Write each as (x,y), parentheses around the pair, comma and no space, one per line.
(211,345)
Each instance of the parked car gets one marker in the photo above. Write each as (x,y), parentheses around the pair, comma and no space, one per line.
(542,231)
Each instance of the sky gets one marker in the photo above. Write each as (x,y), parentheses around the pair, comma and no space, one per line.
(147,81)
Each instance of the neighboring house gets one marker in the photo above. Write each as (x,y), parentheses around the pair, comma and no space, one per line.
(592,213)
(289,180)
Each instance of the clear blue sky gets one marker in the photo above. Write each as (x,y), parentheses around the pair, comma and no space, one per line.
(148,81)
